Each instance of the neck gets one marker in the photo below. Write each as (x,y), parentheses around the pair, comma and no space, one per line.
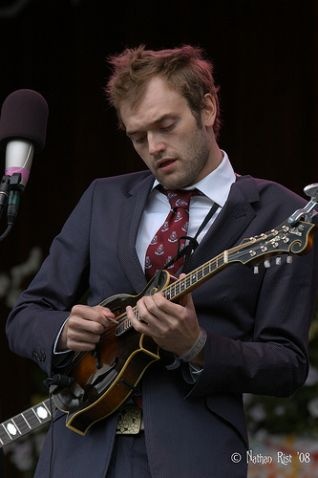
(215,159)
(216,155)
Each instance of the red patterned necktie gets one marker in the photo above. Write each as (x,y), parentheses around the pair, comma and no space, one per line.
(166,243)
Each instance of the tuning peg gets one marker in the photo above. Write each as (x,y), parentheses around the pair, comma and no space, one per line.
(256,270)
(289,259)
(267,264)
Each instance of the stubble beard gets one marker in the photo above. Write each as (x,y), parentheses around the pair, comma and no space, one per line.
(196,159)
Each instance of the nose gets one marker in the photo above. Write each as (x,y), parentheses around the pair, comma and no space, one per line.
(155,144)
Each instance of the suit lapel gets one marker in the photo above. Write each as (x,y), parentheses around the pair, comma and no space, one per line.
(234,218)
(131,216)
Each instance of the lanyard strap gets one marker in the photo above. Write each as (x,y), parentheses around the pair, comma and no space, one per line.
(192,244)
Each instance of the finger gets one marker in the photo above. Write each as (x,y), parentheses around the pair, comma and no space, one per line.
(81,340)
(152,311)
(106,316)
(79,328)
(138,324)
(96,314)
(147,309)
(163,308)
(163,316)
(105,312)
(186,301)
(83,336)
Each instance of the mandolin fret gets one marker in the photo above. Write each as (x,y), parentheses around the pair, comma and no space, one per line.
(193,278)
(5,436)
(125,324)
(121,328)
(9,431)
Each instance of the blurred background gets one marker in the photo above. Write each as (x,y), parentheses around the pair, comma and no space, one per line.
(266,63)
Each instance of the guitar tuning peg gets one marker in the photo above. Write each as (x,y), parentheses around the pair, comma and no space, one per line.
(267,264)
(256,270)
(278,261)
(289,259)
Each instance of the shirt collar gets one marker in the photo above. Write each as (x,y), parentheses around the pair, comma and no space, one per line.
(216,185)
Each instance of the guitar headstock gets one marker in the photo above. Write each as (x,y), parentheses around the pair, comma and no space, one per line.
(285,239)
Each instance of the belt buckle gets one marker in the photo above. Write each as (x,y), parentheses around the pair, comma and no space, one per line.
(129,420)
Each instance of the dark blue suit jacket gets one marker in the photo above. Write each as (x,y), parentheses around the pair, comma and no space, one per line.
(257,328)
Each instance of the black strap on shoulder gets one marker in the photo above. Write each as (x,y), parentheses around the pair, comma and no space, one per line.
(191,242)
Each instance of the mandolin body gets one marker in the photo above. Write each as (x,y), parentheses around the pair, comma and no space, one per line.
(101,381)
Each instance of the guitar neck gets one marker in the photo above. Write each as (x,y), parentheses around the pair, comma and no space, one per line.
(25,422)
(195,278)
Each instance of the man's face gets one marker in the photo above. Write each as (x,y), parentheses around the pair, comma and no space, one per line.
(167,136)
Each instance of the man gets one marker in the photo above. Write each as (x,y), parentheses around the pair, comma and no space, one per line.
(238,332)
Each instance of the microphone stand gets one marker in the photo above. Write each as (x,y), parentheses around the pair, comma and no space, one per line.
(10,194)
(4,193)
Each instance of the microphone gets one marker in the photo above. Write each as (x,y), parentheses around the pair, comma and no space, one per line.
(23,125)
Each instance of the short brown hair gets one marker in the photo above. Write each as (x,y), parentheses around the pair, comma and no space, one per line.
(184,68)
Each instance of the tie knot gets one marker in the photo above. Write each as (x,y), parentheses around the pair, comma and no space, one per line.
(179,197)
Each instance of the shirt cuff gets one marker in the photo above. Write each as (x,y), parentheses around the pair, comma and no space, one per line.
(191,373)
(59,352)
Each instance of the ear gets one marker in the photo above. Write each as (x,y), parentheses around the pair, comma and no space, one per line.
(209,110)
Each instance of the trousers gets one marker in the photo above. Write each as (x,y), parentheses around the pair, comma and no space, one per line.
(129,457)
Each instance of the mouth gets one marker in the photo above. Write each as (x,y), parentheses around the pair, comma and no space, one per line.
(166,165)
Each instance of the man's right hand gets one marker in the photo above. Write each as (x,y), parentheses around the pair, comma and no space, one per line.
(84,327)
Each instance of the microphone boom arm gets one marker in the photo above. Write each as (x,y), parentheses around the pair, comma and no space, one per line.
(308,211)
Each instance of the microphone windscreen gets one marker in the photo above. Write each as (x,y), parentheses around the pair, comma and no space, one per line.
(24,115)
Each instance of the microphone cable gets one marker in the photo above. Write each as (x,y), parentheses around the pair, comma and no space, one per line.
(13,196)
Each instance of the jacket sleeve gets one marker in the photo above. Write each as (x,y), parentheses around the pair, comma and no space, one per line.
(273,360)
(36,319)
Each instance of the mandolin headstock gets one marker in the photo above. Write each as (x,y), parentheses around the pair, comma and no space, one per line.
(285,239)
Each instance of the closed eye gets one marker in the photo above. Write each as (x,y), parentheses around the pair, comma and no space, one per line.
(167,128)
(138,139)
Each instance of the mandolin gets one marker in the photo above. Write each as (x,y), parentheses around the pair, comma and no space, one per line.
(97,383)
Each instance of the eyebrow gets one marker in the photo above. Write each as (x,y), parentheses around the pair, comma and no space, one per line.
(153,123)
